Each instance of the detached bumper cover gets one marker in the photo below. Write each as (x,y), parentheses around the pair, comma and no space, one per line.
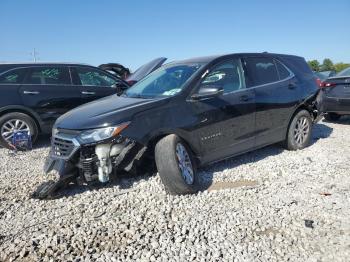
(63,167)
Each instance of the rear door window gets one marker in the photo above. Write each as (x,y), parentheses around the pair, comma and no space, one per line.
(49,75)
(261,70)
(91,77)
(14,76)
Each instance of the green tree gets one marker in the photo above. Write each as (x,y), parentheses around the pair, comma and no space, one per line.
(340,66)
(327,65)
(315,65)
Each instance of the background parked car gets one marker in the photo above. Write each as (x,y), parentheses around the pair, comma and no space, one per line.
(326,74)
(335,95)
(132,78)
(116,69)
(144,70)
(34,95)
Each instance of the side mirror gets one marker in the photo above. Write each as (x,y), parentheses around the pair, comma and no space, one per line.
(119,87)
(208,91)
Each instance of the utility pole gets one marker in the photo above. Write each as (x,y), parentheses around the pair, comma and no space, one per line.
(34,54)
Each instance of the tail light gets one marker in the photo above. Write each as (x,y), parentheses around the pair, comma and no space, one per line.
(318,82)
(327,84)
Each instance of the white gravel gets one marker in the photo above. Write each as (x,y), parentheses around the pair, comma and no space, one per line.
(260,216)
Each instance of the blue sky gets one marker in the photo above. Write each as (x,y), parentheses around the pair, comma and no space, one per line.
(133,32)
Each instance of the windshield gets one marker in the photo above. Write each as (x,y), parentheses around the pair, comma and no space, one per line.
(345,72)
(166,81)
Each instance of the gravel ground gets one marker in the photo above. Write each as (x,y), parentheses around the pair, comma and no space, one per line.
(268,205)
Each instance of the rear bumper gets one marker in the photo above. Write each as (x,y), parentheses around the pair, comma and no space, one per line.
(334,104)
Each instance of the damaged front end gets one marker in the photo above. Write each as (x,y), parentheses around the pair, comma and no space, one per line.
(91,156)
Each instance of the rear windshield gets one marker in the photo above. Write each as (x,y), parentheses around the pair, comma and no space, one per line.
(345,72)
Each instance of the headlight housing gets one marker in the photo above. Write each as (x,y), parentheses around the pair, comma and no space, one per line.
(96,135)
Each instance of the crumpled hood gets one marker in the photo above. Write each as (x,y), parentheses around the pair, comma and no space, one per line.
(108,111)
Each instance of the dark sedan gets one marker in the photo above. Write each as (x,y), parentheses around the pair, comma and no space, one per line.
(335,95)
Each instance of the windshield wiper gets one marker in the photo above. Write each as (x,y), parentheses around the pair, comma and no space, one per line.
(135,96)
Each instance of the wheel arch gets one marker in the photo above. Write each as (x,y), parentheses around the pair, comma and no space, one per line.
(157,137)
(23,110)
(306,105)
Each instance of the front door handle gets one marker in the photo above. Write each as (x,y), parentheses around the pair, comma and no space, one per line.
(31,92)
(244,98)
(88,93)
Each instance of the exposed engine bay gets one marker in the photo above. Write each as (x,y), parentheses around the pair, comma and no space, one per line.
(89,164)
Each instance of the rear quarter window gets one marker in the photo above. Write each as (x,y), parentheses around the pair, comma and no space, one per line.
(283,72)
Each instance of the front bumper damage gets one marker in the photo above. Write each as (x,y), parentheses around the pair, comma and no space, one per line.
(89,164)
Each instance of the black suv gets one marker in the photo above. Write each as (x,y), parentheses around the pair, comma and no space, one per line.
(187,114)
(34,95)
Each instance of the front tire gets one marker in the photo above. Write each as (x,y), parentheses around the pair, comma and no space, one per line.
(11,122)
(332,117)
(299,131)
(176,166)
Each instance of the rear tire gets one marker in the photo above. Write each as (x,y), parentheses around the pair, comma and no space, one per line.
(299,131)
(11,118)
(332,117)
(176,168)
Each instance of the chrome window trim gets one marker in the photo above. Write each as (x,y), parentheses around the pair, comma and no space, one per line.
(253,87)
(291,74)
(275,82)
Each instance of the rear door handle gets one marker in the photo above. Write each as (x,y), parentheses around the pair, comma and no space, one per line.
(244,98)
(88,93)
(31,92)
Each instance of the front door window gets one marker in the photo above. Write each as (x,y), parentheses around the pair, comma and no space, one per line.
(228,75)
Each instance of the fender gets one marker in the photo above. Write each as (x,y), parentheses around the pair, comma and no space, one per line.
(185,136)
